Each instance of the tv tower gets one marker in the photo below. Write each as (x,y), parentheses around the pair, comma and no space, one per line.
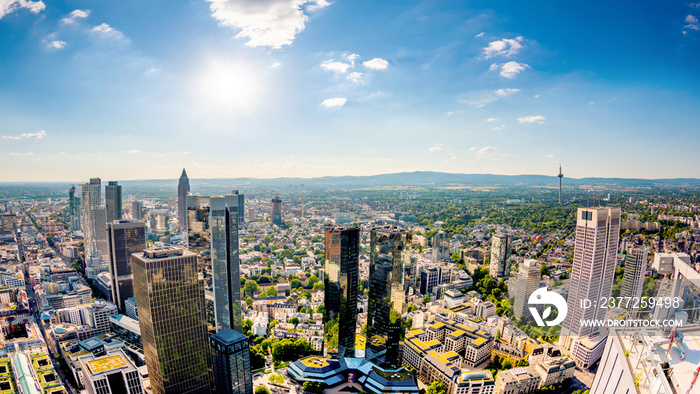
(560,176)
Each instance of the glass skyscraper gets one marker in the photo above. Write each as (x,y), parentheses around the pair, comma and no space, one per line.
(113,201)
(124,238)
(183,188)
(231,357)
(387,294)
(212,233)
(341,286)
(170,301)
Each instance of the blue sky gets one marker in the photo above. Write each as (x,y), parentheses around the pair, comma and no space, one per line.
(269,88)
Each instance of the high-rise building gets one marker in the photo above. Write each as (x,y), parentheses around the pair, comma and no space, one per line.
(276,210)
(635,271)
(113,373)
(113,201)
(124,238)
(441,247)
(429,278)
(592,276)
(92,221)
(231,357)
(528,282)
(137,210)
(241,208)
(500,252)
(183,188)
(387,295)
(213,235)
(170,300)
(73,209)
(341,285)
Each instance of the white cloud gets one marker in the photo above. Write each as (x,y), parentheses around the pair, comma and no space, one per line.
(487,150)
(9,6)
(335,102)
(505,92)
(435,149)
(376,64)
(32,136)
(75,15)
(506,47)
(692,23)
(355,77)
(479,35)
(532,119)
(352,57)
(108,31)
(473,148)
(480,98)
(56,44)
(551,156)
(265,23)
(22,154)
(499,128)
(336,67)
(491,119)
(133,151)
(509,70)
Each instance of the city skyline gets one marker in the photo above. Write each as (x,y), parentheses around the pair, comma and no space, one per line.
(330,87)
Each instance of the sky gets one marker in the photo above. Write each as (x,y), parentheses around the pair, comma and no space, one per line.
(305,88)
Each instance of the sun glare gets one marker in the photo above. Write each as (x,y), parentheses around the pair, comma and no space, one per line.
(229,87)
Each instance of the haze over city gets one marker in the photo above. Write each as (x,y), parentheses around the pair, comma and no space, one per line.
(316,88)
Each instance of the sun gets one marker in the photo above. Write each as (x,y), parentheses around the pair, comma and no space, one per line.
(230,87)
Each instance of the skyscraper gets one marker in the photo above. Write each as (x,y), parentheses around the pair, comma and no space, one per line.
(500,252)
(183,187)
(113,201)
(528,282)
(124,238)
(592,276)
(213,235)
(341,285)
(635,271)
(241,208)
(231,356)
(387,296)
(276,210)
(170,301)
(441,247)
(137,210)
(74,209)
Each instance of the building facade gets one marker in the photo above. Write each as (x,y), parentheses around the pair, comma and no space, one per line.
(113,201)
(341,285)
(231,362)
(528,282)
(500,252)
(124,238)
(635,271)
(170,299)
(276,210)
(183,188)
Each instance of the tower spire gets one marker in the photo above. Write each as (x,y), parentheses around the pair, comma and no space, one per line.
(560,176)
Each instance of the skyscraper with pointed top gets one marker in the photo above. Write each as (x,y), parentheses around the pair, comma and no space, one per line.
(183,187)
(560,176)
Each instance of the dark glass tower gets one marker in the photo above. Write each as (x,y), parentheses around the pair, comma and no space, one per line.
(241,208)
(183,187)
(170,301)
(387,294)
(113,201)
(124,238)
(213,235)
(276,210)
(231,356)
(74,209)
(341,286)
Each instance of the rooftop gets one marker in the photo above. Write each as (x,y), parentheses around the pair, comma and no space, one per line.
(107,364)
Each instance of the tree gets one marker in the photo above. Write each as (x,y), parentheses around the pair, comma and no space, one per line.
(320,309)
(294,321)
(313,387)
(247,324)
(251,287)
(426,299)
(437,387)
(262,390)
(318,286)
(544,270)
(266,241)
(507,364)
(249,302)
(295,284)
(276,379)
(312,280)
(273,324)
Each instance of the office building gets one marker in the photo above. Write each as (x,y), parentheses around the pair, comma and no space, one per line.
(387,296)
(592,276)
(170,300)
(213,235)
(231,362)
(94,220)
(341,285)
(113,373)
(528,282)
(73,209)
(500,252)
(276,210)
(183,188)
(137,210)
(441,247)
(429,278)
(635,271)
(113,201)
(241,208)
(124,238)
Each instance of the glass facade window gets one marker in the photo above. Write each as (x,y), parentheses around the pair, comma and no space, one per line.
(231,361)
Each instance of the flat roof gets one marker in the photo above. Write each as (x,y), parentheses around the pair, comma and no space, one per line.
(479,341)
(107,363)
